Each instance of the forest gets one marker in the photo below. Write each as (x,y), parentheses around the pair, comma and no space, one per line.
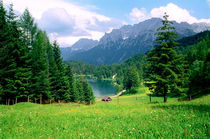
(31,67)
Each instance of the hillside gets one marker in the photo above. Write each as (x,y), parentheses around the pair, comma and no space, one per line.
(80,46)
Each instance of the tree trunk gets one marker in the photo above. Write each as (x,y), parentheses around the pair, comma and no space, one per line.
(165,94)
(8,102)
(165,97)
(15,100)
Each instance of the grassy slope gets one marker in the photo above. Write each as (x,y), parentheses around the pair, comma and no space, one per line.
(128,119)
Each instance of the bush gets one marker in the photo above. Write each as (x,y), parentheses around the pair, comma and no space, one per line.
(131,91)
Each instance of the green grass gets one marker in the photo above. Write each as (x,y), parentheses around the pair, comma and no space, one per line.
(128,119)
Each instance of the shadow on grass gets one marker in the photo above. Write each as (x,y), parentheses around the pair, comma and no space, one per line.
(187,107)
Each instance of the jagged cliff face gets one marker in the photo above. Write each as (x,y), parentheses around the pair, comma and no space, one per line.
(129,40)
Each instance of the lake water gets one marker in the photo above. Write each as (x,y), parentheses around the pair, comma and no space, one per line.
(102,87)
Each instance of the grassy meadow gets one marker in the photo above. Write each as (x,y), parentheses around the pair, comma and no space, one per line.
(128,119)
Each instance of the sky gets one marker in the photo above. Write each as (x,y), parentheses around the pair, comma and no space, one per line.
(67,21)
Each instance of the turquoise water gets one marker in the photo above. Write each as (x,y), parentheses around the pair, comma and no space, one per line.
(102,87)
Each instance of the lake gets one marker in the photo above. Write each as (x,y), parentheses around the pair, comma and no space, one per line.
(102,87)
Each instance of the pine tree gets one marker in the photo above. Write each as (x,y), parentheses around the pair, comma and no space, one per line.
(164,65)
(80,90)
(40,67)
(4,40)
(53,71)
(88,92)
(29,27)
(73,93)
(62,81)
(15,74)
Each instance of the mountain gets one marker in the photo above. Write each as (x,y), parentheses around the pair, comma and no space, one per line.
(80,46)
(130,40)
(84,45)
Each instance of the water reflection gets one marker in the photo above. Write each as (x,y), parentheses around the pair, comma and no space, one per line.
(102,87)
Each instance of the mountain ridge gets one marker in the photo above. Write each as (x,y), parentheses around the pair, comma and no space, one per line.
(120,44)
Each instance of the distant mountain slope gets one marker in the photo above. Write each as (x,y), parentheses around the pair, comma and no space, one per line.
(84,45)
(190,40)
(80,46)
(130,40)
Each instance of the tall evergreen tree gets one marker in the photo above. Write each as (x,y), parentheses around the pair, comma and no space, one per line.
(14,72)
(53,71)
(4,40)
(40,67)
(72,88)
(29,27)
(79,89)
(88,92)
(164,65)
(62,81)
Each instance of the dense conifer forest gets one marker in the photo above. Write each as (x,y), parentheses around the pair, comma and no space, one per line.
(31,67)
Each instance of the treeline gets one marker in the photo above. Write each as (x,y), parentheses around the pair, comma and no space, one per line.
(31,67)
(99,72)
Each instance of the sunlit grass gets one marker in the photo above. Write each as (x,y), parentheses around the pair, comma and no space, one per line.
(128,119)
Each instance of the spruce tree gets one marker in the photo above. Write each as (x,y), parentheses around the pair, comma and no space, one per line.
(62,87)
(53,71)
(72,88)
(40,67)
(15,74)
(79,89)
(88,92)
(4,40)
(164,67)
(29,27)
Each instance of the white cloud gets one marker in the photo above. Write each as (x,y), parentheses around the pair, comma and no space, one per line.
(137,15)
(68,21)
(175,13)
